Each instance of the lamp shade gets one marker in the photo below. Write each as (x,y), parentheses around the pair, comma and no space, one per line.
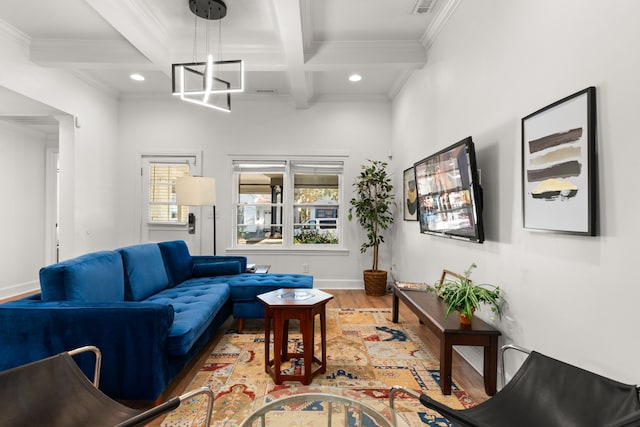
(195,191)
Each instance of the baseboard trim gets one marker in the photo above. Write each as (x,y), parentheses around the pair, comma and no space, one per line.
(28,287)
(19,289)
(473,356)
(337,284)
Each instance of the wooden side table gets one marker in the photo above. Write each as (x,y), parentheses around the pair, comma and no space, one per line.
(303,304)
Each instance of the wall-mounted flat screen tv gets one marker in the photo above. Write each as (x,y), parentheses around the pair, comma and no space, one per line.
(449,193)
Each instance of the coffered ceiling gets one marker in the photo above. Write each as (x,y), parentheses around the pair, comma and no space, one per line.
(303,49)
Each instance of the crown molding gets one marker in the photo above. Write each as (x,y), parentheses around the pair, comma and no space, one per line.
(94,83)
(9,31)
(439,21)
(399,83)
(351,98)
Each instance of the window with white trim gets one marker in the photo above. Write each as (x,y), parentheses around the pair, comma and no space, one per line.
(295,203)
(161,202)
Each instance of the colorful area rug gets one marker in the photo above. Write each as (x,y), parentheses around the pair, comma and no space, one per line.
(367,354)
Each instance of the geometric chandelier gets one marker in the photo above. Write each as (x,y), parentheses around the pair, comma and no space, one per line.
(209,83)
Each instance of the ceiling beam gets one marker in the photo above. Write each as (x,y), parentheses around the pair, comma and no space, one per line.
(120,54)
(137,24)
(402,55)
(66,53)
(288,15)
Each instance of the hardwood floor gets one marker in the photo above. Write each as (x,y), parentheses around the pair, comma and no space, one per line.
(466,377)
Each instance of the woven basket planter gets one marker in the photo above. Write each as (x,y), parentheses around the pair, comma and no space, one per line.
(375,282)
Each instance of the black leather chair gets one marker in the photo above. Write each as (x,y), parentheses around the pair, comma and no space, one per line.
(546,392)
(54,392)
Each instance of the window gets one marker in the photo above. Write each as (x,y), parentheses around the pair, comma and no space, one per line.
(288,203)
(162,207)
(316,202)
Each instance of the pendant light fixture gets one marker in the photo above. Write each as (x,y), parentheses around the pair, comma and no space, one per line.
(209,83)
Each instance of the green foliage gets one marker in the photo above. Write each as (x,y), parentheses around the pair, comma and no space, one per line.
(372,204)
(312,236)
(463,296)
(311,195)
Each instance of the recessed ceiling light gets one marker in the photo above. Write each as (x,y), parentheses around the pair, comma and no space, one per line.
(137,77)
(355,77)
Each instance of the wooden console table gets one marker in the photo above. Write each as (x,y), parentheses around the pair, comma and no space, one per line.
(431,311)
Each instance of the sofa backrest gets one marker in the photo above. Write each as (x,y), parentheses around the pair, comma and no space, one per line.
(144,271)
(94,277)
(177,261)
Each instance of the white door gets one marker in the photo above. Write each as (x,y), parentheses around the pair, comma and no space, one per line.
(161,218)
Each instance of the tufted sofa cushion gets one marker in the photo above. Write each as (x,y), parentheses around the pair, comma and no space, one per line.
(246,286)
(195,305)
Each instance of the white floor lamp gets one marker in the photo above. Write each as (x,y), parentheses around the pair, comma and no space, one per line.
(197,191)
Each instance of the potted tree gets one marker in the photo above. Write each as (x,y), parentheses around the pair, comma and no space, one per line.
(463,296)
(372,205)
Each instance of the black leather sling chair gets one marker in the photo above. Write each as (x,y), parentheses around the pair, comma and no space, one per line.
(546,392)
(54,392)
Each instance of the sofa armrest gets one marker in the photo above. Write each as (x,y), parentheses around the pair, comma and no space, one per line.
(210,259)
(132,337)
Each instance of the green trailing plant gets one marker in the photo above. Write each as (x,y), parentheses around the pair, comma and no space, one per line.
(463,296)
(373,204)
(312,236)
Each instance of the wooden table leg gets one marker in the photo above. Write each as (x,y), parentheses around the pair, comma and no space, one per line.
(267,338)
(278,333)
(446,353)
(306,327)
(394,308)
(313,334)
(323,339)
(491,366)
(284,352)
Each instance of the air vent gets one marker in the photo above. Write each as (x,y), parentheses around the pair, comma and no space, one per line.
(423,6)
(266,91)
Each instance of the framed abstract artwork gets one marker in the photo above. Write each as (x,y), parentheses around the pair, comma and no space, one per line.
(410,195)
(559,166)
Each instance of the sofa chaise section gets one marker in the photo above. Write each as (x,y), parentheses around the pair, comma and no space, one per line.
(184,270)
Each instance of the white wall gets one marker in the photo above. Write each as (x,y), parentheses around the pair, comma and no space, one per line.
(88,157)
(23,207)
(359,130)
(495,62)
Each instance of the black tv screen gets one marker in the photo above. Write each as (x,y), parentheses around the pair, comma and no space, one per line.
(449,193)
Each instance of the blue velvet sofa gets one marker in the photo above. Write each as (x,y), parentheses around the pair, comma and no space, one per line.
(150,308)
